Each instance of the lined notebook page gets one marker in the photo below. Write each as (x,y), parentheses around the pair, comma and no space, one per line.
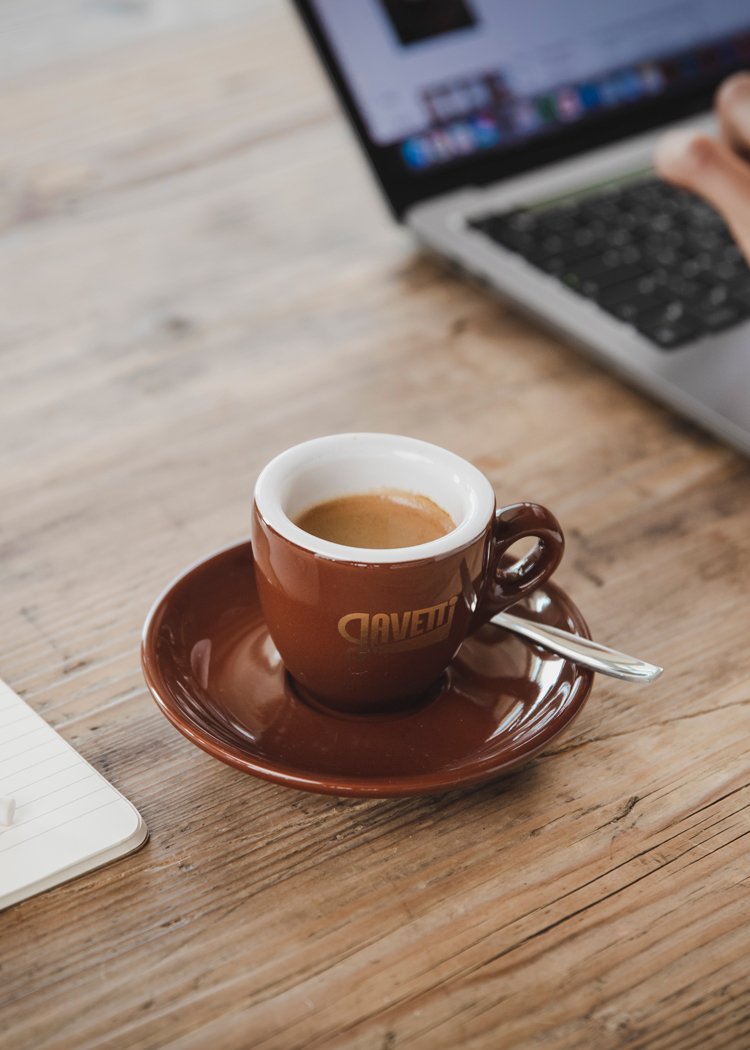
(68,818)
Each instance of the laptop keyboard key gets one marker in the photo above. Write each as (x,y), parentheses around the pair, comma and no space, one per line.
(596,278)
(637,289)
(670,312)
(739,291)
(682,288)
(717,318)
(630,309)
(669,335)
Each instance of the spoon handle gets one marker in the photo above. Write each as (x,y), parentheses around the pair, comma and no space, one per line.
(581,651)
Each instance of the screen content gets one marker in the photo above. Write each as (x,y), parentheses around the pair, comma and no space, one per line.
(442,80)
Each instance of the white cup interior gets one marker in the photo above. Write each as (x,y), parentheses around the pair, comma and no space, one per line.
(346,464)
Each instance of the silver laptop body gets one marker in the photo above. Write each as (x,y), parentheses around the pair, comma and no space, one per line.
(708,378)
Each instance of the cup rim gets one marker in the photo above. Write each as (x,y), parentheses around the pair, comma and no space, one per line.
(460,475)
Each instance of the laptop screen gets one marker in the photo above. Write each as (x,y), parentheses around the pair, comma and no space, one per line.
(438,87)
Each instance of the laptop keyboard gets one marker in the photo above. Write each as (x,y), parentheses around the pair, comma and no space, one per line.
(652,255)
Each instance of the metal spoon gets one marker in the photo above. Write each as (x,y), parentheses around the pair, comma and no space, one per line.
(581,651)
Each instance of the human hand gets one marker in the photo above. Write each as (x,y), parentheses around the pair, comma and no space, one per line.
(716,169)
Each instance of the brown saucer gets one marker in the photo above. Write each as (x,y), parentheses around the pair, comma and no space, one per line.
(214,672)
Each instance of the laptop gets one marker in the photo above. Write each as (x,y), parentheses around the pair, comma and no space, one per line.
(515,140)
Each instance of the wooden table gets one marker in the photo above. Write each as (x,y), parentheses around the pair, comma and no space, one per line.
(196,272)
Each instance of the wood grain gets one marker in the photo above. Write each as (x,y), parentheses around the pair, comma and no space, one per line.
(195,272)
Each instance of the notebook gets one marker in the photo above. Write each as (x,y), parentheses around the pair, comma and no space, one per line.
(68,819)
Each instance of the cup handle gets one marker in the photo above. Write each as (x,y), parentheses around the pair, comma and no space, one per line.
(506,584)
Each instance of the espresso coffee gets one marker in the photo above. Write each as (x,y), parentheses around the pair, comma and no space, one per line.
(387,518)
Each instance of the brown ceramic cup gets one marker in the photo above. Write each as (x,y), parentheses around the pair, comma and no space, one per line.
(365,630)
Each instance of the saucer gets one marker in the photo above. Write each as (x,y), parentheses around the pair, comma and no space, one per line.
(212,668)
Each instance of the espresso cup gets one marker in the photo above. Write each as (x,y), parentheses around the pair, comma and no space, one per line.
(373,629)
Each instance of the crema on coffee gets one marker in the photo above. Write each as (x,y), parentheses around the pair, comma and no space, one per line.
(387,518)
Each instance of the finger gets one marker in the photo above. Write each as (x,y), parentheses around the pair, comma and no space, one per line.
(733,106)
(713,171)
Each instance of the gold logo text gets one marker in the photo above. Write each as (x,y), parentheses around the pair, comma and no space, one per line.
(397,631)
